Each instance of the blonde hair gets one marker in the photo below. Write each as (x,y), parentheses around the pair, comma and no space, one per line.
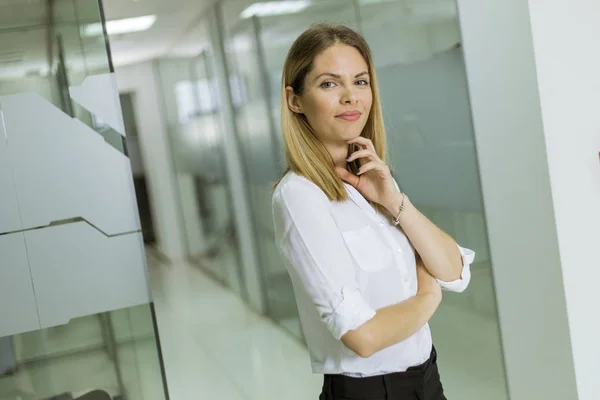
(305,153)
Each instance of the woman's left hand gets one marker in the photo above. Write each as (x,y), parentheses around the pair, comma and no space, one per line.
(374,179)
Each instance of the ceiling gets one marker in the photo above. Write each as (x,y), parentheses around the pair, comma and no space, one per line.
(181,28)
(24,24)
(174,19)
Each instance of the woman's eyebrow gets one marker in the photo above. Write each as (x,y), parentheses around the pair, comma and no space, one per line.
(339,76)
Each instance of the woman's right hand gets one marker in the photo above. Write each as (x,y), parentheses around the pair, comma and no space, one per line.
(427,284)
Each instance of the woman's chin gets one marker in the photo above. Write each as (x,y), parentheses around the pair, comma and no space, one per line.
(352,135)
(342,137)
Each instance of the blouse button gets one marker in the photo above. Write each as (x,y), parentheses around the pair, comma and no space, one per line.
(381,223)
(406,279)
(398,251)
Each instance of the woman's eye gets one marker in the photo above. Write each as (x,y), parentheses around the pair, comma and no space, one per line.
(327,85)
(363,82)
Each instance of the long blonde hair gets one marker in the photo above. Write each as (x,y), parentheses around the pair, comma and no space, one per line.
(305,153)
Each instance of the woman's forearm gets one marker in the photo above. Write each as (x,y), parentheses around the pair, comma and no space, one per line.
(392,324)
(437,249)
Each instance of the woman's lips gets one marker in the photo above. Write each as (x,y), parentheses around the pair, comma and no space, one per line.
(349,115)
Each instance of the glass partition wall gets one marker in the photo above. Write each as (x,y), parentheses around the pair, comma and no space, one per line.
(432,151)
(194,110)
(418,56)
(419,61)
(46,49)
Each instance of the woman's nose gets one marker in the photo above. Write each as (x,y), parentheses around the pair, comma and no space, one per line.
(348,97)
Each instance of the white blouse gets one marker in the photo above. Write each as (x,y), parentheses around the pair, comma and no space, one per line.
(346,260)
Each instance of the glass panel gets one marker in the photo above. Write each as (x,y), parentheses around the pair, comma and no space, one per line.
(425,101)
(114,351)
(193,110)
(256,50)
(428,118)
(135,353)
(79,51)
(23,52)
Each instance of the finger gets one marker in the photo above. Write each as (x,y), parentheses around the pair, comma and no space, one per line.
(375,165)
(371,165)
(347,176)
(364,142)
(363,154)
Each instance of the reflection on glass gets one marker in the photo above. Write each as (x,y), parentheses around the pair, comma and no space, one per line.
(114,352)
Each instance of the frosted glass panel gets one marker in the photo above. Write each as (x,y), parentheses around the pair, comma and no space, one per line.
(18,311)
(10,220)
(75,267)
(62,161)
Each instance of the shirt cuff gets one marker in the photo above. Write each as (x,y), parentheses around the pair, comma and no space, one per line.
(351,313)
(461,284)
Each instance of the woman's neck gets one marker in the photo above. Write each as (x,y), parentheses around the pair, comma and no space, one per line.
(339,153)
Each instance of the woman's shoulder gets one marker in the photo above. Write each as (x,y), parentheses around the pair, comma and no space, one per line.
(296,186)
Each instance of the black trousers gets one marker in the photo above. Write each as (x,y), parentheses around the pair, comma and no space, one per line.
(417,383)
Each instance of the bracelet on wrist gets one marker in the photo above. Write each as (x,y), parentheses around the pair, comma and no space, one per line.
(402,207)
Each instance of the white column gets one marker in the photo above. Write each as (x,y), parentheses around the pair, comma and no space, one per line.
(533,80)
(565,37)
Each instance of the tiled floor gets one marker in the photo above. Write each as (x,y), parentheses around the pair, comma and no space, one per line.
(216,348)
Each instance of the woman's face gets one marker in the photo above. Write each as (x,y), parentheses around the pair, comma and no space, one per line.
(337,95)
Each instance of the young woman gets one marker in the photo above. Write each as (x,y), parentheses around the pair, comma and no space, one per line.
(367,267)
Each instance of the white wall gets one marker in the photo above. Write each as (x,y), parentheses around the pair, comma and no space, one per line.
(156,155)
(565,38)
(534,89)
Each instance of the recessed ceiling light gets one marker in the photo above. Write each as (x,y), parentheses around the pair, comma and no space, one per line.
(275,8)
(121,26)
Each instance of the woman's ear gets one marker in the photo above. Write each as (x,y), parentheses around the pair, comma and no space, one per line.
(293,100)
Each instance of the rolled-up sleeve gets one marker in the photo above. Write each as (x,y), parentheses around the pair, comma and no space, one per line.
(316,257)
(459,285)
